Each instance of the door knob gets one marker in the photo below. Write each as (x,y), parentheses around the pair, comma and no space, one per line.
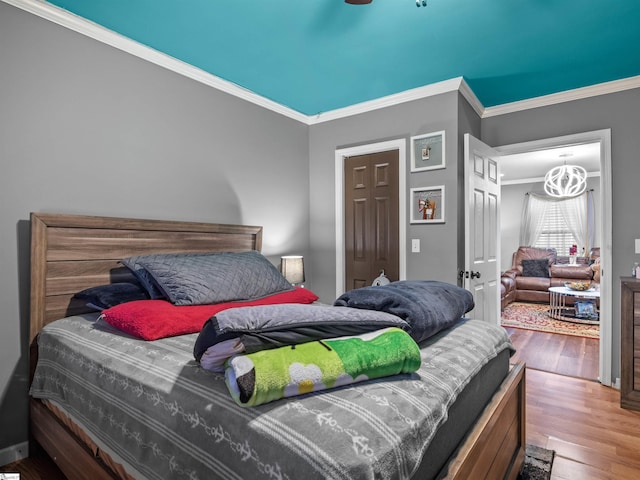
(465,274)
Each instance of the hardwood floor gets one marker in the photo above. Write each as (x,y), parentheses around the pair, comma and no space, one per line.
(580,419)
(563,354)
(36,467)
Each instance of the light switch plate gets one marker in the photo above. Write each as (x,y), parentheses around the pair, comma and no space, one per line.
(638,246)
(415,245)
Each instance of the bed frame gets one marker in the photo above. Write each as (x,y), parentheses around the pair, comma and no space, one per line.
(70,253)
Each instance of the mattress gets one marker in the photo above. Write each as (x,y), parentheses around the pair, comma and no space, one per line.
(159,414)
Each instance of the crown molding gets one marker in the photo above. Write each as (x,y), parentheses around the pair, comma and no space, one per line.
(85,27)
(430,90)
(73,22)
(566,96)
(467,93)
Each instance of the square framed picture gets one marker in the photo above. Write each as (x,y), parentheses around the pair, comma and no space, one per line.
(427,204)
(427,152)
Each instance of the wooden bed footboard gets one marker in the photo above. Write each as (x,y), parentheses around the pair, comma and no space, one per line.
(68,452)
(495,447)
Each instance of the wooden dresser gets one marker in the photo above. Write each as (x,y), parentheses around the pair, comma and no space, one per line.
(630,343)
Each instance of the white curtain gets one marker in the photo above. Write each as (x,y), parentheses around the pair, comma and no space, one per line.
(533,214)
(579,217)
(578,213)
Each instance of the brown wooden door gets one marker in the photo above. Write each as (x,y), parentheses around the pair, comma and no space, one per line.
(371,218)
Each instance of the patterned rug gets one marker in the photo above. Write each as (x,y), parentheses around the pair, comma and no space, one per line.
(533,316)
(538,463)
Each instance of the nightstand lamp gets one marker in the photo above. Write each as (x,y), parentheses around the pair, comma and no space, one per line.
(293,269)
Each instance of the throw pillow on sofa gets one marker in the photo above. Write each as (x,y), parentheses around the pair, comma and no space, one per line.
(535,268)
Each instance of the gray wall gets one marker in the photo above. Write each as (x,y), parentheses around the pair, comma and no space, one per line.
(512,202)
(88,129)
(619,112)
(438,256)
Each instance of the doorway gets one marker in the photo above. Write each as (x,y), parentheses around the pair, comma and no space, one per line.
(602,138)
(398,145)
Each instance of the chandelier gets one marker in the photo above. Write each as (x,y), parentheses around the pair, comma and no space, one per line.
(565,181)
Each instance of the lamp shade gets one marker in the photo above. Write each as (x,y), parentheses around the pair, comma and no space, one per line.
(293,268)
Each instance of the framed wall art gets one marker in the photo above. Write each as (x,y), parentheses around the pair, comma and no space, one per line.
(427,152)
(427,204)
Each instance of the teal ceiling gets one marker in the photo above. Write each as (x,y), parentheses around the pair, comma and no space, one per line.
(319,55)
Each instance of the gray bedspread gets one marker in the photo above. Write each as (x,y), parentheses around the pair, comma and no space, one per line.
(154,409)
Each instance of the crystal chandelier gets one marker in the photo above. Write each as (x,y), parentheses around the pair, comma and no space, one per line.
(565,181)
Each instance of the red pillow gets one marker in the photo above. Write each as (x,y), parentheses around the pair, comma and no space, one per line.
(154,319)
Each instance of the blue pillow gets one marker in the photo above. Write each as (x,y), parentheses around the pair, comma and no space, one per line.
(107,296)
(200,279)
(145,279)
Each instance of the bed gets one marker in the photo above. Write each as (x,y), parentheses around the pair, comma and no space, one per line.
(480,435)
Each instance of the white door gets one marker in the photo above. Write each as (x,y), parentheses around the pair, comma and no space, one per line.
(481,272)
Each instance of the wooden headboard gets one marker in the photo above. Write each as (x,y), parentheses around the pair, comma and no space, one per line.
(71,252)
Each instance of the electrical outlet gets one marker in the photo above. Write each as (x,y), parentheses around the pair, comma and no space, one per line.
(638,246)
(415,245)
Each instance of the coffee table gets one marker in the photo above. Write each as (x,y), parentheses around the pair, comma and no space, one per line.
(586,312)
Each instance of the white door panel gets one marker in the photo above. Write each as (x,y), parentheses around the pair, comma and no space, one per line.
(482,228)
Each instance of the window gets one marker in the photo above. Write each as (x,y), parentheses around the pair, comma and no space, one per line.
(551,223)
(554,231)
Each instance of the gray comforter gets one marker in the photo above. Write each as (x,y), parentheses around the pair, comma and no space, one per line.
(154,409)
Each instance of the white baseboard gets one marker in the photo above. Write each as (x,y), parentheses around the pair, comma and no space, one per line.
(14,453)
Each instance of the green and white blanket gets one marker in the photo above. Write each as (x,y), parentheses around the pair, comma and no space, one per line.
(267,375)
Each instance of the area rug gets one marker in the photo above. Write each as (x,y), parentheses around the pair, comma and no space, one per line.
(534,316)
(538,463)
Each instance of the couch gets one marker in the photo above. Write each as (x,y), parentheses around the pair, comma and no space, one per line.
(534,270)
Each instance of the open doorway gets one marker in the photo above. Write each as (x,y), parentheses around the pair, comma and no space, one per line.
(524,166)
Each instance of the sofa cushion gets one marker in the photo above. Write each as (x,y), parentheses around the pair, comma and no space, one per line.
(533,253)
(535,268)
(533,283)
(595,267)
(579,272)
(565,260)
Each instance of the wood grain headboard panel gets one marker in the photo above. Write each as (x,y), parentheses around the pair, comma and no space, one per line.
(72,252)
